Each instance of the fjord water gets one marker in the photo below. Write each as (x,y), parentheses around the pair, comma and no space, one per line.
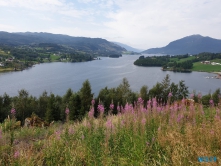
(57,77)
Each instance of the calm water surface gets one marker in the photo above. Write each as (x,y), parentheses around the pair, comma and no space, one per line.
(58,77)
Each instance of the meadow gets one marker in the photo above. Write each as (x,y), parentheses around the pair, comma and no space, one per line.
(139,134)
(207,67)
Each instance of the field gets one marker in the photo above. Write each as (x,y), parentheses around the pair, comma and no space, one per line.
(6,69)
(159,135)
(206,67)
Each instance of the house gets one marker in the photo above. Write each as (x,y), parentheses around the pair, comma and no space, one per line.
(206,62)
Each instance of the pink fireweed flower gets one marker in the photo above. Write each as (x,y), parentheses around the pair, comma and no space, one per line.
(13,112)
(211,102)
(109,124)
(67,111)
(100,108)
(154,100)
(118,108)
(16,154)
(140,100)
(93,102)
(192,96)
(91,113)
(111,106)
(170,95)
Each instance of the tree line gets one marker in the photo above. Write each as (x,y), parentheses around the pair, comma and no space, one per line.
(51,107)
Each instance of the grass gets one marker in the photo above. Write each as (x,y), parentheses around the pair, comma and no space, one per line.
(54,57)
(6,69)
(3,53)
(206,67)
(161,135)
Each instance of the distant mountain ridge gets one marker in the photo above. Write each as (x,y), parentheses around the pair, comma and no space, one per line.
(128,48)
(92,45)
(193,44)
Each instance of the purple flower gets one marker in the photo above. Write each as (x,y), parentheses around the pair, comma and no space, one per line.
(16,154)
(140,100)
(13,112)
(109,124)
(199,95)
(111,106)
(211,101)
(192,96)
(170,95)
(100,108)
(67,111)
(118,108)
(91,113)
(92,102)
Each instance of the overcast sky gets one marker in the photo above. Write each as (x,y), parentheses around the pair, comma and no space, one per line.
(141,24)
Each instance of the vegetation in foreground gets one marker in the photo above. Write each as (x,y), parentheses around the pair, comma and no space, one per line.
(120,127)
(155,134)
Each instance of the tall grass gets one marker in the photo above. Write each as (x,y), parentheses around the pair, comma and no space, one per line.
(154,135)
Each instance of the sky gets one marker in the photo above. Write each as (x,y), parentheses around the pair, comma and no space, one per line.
(142,24)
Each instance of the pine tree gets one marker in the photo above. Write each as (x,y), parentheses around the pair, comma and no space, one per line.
(86,97)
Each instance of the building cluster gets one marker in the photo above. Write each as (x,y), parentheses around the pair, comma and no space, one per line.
(212,63)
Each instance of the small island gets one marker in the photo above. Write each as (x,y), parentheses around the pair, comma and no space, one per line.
(115,55)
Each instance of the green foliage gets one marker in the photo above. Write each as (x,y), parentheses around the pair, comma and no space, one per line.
(86,97)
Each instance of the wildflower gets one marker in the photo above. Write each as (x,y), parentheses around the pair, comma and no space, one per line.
(13,112)
(192,96)
(140,100)
(16,154)
(109,124)
(170,95)
(91,113)
(111,106)
(199,95)
(93,102)
(100,108)
(211,102)
(67,111)
(118,108)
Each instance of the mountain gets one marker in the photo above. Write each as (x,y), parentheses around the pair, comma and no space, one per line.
(90,45)
(128,48)
(193,44)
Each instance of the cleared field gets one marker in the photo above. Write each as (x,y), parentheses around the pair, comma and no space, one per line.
(54,57)
(6,69)
(206,67)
